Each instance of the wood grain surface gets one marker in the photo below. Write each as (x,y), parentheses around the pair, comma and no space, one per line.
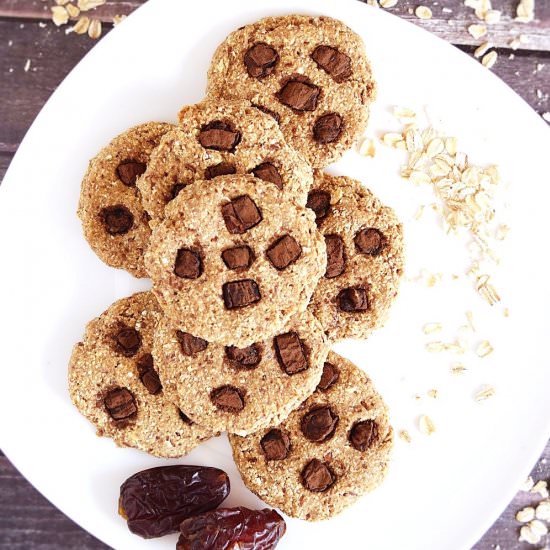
(27,520)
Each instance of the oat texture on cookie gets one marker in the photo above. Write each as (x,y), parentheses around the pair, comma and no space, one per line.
(364,242)
(334,448)
(114,221)
(233,262)
(310,73)
(114,382)
(241,390)
(216,138)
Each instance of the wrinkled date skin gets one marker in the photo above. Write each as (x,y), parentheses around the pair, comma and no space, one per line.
(156,501)
(231,528)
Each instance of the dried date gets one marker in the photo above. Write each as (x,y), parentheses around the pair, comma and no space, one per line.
(230,528)
(156,501)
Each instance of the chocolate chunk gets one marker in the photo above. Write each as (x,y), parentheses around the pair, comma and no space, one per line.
(268,112)
(127,341)
(317,476)
(220,136)
(129,170)
(221,169)
(244,358)
(327,128)
(363,435)
(260,60)
(334,62)
(120,404)
(283,252)
(319,202)
(299,94)
(290,353)
(238,257)
(185,419)
(148,375)
(190,344)
(240,293)
(241,214)
(275,445)
(329,377)
(228,399)
(188,264)
(336,257)
(267,172)
(117,220)
(354,299)
(319,424)
(370,241)
(175,191)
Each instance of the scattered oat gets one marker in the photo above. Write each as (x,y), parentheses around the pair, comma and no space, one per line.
(94,30)
(484,348)
(526,514)
(72,10)
(61,2)
(492,16)
(41,24)
(527,485)
(419,212)
(546,116)
(117,19)
(405,436)
(482,49)
(477,30)
(81,26)
(486,289)
(433,393)
(87,5)
(27,65)
(391,139)
(388,3)
(59,15)
(435,347)
(525,11)
(426,425)
(484,393)
(404,114)
(430,328)
(489,59)
(533,532)
(458,368)
(367,148)
(419,177)
(541,488)
(423,12)
(502,232)
(506,312)
(470,319)
(543,510)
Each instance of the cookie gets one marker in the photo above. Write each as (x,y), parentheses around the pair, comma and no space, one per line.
(114,383)
(327,453)
(241,390)
(364,241)
(217,138)
(114,221)
(231,263)
(310,73)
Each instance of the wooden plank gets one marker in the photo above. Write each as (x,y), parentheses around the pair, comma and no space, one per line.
(451,26)
(29,522)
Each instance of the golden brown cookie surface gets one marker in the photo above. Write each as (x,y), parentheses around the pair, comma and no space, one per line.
(334,448)
(311,73)
(113,382)
(114,221)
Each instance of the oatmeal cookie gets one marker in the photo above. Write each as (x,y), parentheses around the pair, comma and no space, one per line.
(113,382)
(334,448)
(310,73)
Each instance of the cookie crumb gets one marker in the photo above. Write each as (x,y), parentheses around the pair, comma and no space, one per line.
(27,65)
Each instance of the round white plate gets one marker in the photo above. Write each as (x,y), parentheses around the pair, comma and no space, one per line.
(443,491)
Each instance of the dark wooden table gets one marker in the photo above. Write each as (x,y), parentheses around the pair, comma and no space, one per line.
(27,520)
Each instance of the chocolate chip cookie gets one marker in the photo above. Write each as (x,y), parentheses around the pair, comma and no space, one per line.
(233,262)
(113,381)
(217,138)
(310,73)
(332,449)
(241,390)
(114,221)
(364,241)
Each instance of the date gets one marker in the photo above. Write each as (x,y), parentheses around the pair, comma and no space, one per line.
(155,502)
(231,528)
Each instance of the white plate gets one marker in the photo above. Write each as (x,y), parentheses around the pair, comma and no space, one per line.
(443,491)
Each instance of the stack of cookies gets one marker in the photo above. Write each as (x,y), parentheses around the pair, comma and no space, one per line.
(259,262)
